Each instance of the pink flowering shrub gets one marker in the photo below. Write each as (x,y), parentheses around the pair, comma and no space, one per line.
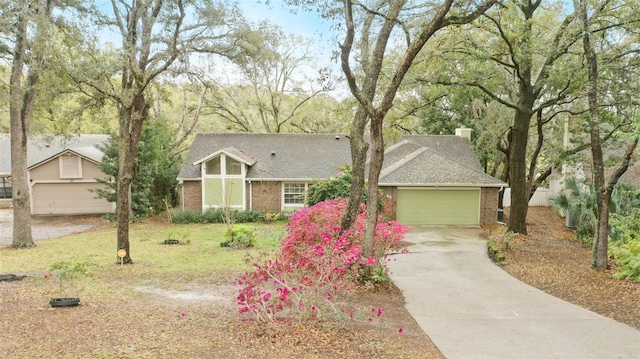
(317,264)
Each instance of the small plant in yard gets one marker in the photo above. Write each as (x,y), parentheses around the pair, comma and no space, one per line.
(240,237)
(67,273)
(317,264)
(174,236)
(498,245)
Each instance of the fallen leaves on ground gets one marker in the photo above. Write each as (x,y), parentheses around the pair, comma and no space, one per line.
(549,258)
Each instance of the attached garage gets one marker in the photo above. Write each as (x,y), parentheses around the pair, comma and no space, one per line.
(438,206)
(68,198)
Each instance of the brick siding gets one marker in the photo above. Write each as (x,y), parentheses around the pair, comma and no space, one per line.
(192,195)
(489,205)
(267,196)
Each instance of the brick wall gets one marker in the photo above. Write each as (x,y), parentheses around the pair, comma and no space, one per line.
(489,205)
(192,195)
(267,196)
(391,204)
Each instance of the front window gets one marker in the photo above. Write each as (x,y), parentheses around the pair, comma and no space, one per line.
(5,188)
(294,193)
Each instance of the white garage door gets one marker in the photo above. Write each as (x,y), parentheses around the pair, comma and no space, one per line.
(446,207)
(68,198)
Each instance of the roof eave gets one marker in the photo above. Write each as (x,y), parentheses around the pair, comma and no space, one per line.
(61,153)
(497,185)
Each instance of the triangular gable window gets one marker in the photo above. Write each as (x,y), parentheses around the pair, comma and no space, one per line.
(233,167)
(213,166)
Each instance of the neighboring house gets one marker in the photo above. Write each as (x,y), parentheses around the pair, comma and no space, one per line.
(62,174)
(432,180)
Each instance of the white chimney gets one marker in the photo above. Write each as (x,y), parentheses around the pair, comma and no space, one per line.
(464,132)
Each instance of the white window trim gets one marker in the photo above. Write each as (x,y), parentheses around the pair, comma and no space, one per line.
(62,172)
(223,175)
(292,205)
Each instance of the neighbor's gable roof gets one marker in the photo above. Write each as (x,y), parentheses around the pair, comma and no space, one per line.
(274,156)
(90,153)
(410,164)
(41,148)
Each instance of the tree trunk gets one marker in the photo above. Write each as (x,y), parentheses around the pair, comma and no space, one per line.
(20,113)
(22,236)
(359,149)
(130,130)
(601,241)
(600,256)
(518,173)
(375,166)
(123,189)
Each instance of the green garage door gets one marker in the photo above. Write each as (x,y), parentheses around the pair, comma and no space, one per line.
(446,207)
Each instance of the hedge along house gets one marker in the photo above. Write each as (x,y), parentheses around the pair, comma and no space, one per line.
(432,180)
(63,173)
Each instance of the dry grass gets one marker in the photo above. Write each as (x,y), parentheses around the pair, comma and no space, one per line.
(176,301)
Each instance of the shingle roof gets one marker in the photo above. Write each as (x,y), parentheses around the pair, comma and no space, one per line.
(451,146)
(276,156)
(410,164)
(415,160)
(43,147)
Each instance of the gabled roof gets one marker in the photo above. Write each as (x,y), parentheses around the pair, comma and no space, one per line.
(233,152)
(41,148)
(451,146)
(274,156)
(92,154)
(410,164)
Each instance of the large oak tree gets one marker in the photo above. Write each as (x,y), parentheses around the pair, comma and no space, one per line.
(157,38)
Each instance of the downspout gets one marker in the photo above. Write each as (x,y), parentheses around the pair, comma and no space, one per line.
(250,196)
(203,170)
(181,183)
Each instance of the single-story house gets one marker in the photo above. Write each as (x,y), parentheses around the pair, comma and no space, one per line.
(432,180)
(63,171)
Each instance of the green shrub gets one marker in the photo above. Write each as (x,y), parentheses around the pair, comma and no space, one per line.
(627,257)
(213,216)
(184,217)
(218,216)
(495,253)
(578,200)
(249,216)
(625,244)
(241,237)
(338,186)
(274,217)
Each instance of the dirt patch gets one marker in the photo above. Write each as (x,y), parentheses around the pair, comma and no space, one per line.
(197,294)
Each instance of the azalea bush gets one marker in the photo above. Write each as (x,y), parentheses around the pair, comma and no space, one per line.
(317,264)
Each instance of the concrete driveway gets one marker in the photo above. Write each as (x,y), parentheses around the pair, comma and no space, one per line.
(46,227)
(470,308)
